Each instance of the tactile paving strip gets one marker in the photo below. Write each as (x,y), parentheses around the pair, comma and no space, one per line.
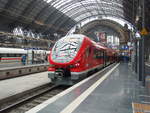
(140,108)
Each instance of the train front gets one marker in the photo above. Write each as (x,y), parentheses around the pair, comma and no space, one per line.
(63,57)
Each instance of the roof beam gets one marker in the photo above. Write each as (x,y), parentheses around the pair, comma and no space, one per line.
(8,4)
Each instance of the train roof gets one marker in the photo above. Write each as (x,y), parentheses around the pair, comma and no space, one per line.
(12,50)
(75,36)
(20,51)
(98,45)
(83,36)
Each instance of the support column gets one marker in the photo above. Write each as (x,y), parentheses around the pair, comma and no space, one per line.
(136,58)
(141,48)
(141,60)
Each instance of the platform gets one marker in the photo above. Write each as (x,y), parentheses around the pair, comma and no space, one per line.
(14,66)
(113,92)
(17,85)
(147,69)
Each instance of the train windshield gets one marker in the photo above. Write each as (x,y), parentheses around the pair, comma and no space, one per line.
(66,49)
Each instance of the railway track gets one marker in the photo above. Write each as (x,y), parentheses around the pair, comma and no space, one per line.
(31,99)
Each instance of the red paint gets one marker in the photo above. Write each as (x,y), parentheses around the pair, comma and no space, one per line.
(15,58)
(82,61)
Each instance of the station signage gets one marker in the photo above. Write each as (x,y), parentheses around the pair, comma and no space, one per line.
(144,32)
(101,37)
(125,47)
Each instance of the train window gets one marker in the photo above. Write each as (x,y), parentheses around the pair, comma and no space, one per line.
(2,55)
(98,54)
(18,55)
(102,54)
(11,55)
(108,58)
(8,55)
(94,53)
(88,52)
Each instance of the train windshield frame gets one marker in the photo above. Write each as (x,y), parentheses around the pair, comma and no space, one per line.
(66,49)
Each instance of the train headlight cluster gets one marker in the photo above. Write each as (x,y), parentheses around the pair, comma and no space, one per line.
(75,65)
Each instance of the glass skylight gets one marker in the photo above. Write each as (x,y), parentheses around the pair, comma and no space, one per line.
(48,1)
(79,10)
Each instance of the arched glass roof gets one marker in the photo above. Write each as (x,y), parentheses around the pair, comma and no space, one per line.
(81,9)
(50,16)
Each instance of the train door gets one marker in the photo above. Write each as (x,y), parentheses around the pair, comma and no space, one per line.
(0,57)
(86,58)
(91,55)
(33,57)
(99,57)
(96,57)
(29,57)
(104,58)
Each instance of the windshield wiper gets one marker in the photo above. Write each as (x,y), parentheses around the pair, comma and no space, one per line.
(68,49)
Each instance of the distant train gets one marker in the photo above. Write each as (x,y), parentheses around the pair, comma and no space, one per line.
(74,57)
(14,55)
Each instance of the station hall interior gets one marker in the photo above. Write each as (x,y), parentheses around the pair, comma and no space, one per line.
(74,56)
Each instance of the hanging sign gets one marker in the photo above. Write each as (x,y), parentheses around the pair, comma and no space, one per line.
(144,32)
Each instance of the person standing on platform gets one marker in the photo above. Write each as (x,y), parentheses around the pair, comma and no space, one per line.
(23,59)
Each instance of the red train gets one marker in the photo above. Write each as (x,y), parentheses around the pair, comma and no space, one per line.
(73,57)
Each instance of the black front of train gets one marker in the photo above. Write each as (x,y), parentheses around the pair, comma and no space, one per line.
(62,76)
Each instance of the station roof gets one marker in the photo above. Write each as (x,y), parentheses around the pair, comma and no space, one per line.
(49,16)
(82,9)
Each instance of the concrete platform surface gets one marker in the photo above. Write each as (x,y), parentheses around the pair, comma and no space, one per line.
(114,92)
(17,85)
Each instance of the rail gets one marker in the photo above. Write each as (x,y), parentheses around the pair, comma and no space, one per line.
(31,98)
(11,72)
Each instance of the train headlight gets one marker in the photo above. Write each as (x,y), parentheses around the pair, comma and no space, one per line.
(75,65)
